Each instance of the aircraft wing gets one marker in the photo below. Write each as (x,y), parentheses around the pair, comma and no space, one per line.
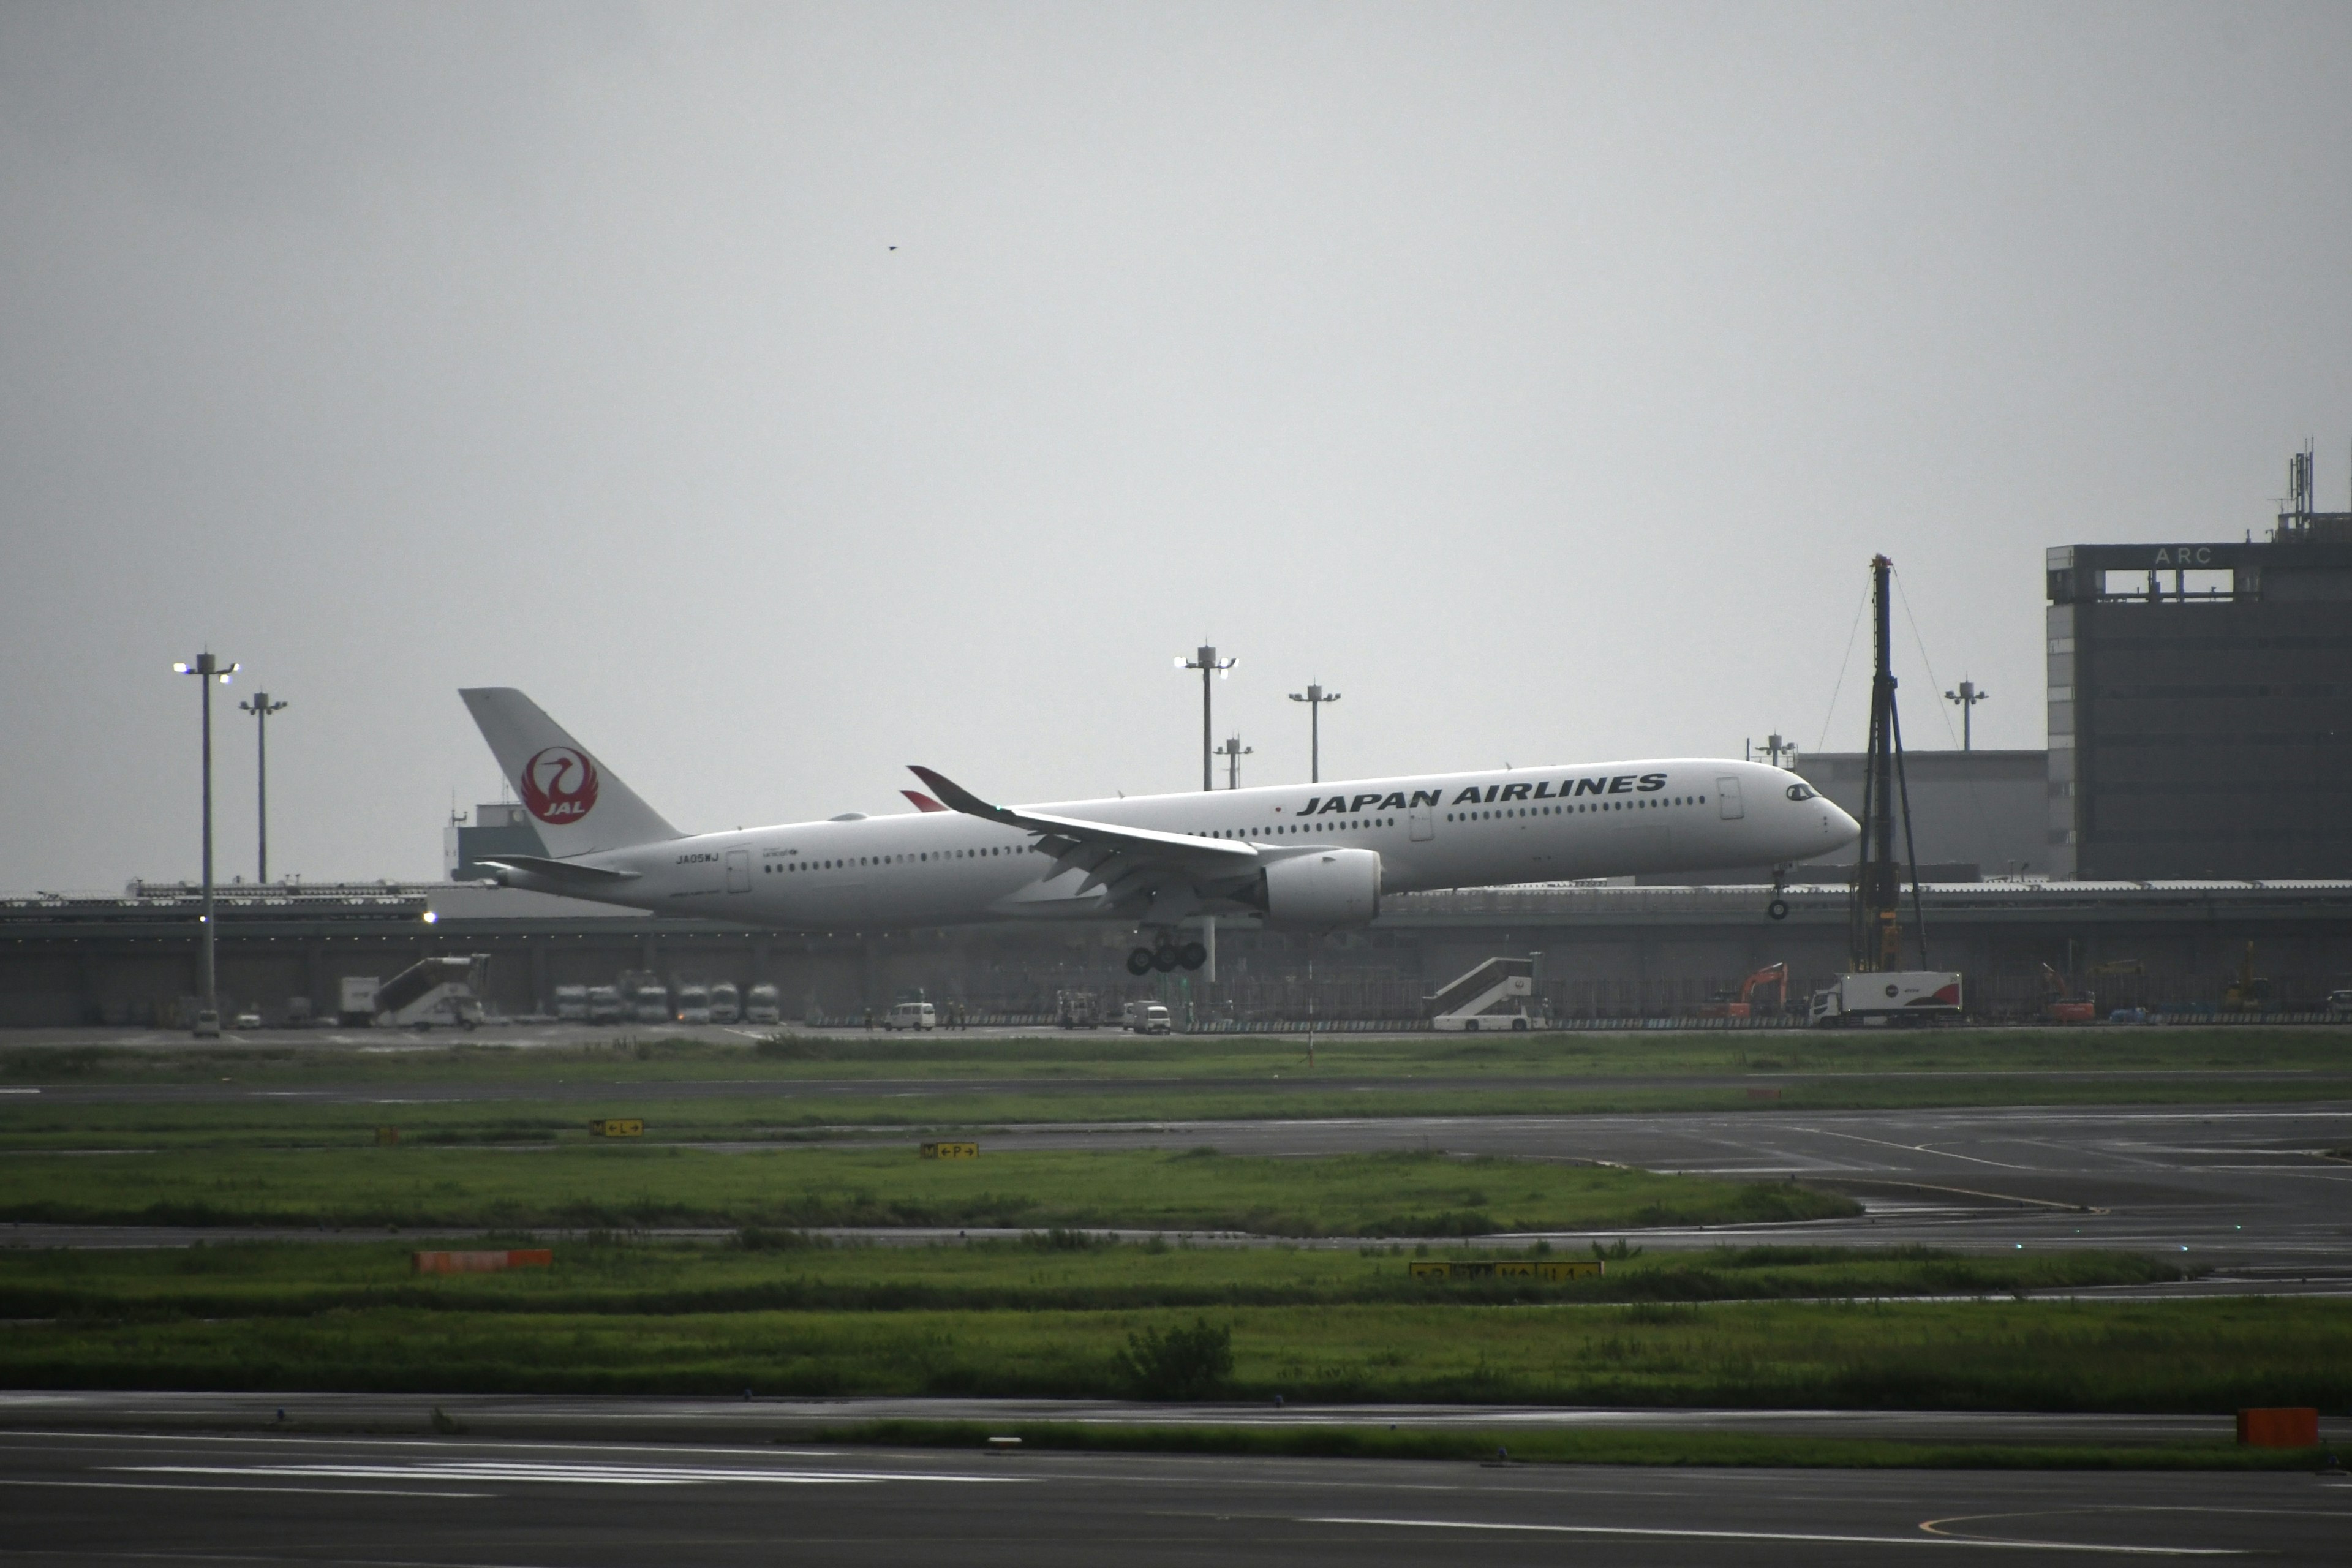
(1077,841)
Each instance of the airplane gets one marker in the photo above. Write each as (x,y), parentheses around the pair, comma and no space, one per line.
(1313,858)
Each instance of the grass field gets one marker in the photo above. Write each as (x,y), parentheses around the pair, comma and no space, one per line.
(1057,1270)
(620,1185)
(2203,1355)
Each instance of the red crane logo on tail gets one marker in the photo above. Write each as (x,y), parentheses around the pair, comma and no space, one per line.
(559,786)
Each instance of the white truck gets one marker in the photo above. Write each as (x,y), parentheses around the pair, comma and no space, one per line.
(694,1004)
(1146,1018)
(571,1004)
(1889,996)
(357,1004)
(761,1005)
(726,1003)
(649,1003)
(1486,997)
(605,1004)
(912,1016)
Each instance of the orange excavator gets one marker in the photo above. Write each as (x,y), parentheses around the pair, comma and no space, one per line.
(1743,1005)
(2060,1002)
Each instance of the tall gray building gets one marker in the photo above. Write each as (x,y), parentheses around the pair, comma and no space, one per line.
(2200,705)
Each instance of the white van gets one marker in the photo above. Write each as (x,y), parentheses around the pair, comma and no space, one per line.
(760,1006)
(1146,1018)
(726,1003)
(693,1004)
(912,1015)
(571,1004)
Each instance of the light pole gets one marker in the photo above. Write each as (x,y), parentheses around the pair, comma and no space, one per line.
(261,707)
(1967,697)
(207,669)
(1205,659)
(1233,750)
(1315,696)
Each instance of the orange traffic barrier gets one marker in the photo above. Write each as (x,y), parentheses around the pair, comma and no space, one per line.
(480,1262)
(2286,1427)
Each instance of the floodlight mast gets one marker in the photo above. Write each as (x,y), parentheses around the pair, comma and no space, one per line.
(1233,750)
(1315,696)
(1967,697)
(207,669)
(261,707)
(1205,659)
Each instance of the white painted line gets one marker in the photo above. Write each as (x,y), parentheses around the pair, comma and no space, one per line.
(1789,1535)
(298,1491)
(19,1091)
(575,1474)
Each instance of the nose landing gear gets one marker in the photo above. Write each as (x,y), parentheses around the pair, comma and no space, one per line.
(1779,908)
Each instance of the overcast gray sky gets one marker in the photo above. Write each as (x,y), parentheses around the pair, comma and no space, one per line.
(783,394)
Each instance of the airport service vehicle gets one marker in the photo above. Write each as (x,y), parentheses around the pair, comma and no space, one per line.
(442,990)
(1310,857)
(694,1004)
(207,1024)
(1145,1018)
(605,1004)
(726,1003)
(760,1006)
(1078,1009)
(912,1016)
(1466,1005)
(358,999)
(2339,1003)
(247,1021)
(571,1004)
(1894,995)
(649,1003)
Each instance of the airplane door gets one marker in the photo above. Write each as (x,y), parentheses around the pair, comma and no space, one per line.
(1424,823)
(1727,798)
(739,870)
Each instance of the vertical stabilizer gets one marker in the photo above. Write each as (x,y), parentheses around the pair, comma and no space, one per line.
(578,804)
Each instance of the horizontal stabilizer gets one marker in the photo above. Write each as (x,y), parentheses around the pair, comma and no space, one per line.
(569,871)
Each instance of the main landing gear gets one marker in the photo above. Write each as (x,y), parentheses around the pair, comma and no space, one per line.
(1169,956)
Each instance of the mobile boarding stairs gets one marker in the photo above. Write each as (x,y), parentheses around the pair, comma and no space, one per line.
(1463,1005)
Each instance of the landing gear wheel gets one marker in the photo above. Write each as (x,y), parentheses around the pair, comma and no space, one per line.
(1139,961)
(1164,960)
(1519,1025)
(1191,956)
(1778,909)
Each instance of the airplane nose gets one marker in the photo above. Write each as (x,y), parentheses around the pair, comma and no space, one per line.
(1837,827)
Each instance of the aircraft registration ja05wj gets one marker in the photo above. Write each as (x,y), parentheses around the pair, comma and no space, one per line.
(1316,857)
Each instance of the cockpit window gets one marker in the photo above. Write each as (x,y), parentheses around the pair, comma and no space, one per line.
(1801,792)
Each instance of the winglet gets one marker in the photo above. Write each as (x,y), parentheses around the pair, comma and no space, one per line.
(956,797)
(922,802)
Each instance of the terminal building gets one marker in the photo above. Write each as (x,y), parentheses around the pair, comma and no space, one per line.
(2201,704)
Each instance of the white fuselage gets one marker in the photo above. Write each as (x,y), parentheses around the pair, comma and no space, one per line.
(1440,830)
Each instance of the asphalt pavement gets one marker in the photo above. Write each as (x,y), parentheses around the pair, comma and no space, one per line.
(85,1496)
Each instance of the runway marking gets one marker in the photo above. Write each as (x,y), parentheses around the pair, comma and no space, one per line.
(296,1491)
(1824,1539)
(571,1474)
(19,1091)
(1917,1149)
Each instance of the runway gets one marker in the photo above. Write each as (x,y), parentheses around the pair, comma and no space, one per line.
(160,1497)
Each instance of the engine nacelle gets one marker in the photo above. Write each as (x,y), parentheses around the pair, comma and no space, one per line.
(1324,889)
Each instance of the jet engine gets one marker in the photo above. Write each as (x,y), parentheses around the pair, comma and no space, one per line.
(1323,889)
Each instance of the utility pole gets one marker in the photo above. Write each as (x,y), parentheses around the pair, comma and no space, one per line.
(261,707)
(1967,697)
(1233,750)
(1205,659)
(1315,696)
(207,669)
